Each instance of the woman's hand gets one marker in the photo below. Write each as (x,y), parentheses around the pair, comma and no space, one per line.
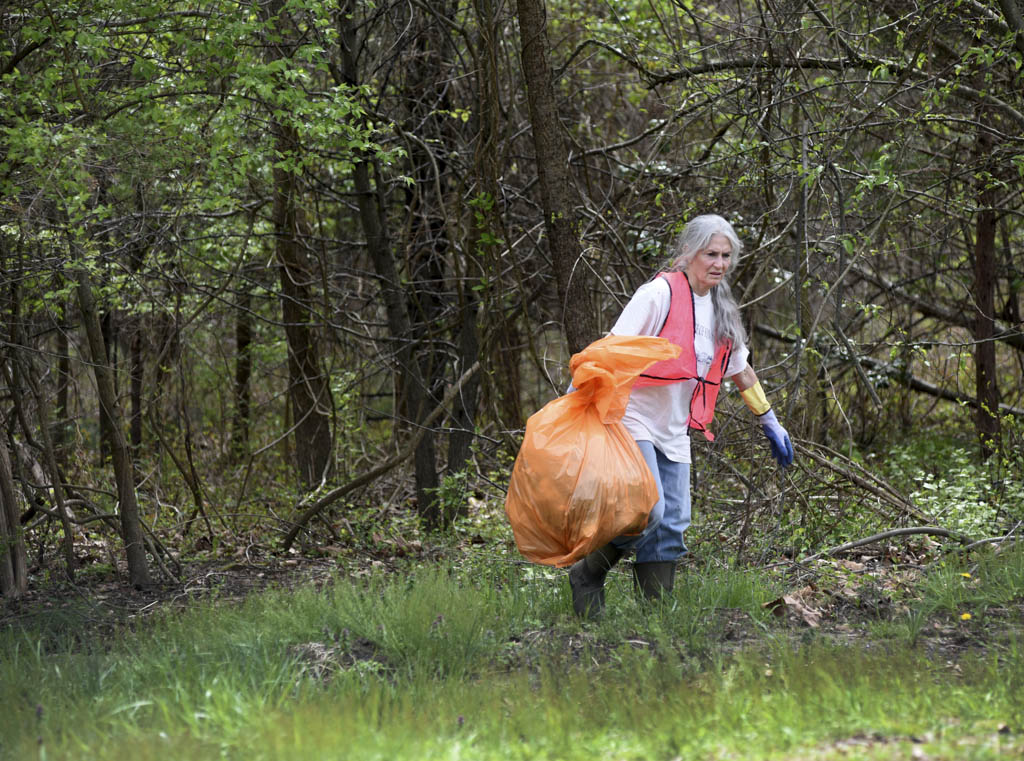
(778,439)
(753,395)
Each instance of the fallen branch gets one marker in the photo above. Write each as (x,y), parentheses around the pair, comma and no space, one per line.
(1010,535)
(932,530)
(987,540)
(371,475)
(156,548)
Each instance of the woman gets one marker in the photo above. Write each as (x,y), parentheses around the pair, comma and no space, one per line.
(691,305)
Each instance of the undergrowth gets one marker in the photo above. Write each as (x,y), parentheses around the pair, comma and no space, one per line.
(485,661)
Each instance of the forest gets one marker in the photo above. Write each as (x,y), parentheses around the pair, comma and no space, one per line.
(282,282)
(289,276)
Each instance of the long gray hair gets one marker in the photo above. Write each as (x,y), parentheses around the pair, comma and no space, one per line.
(694,238)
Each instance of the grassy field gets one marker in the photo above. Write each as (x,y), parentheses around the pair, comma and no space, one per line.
(484,661)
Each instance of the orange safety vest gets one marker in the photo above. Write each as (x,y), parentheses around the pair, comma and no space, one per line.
(679,329)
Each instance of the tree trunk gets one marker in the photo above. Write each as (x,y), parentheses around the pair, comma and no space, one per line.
(136,367)
(309,388)
(13,557)
(106,322)
(560,223)
(61,414)
(410,379)
(427,78)
(13,565)
(50,457)
(136,374)
(986,419)
(1014,278)
(501,338)
(243,374)
(1015,20)
(128,507)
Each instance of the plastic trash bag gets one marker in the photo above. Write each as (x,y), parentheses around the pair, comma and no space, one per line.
(579,479)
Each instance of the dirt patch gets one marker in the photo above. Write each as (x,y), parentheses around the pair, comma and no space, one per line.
(99,600)
(324,660)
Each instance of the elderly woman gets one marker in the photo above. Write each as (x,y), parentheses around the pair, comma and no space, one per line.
(691,305)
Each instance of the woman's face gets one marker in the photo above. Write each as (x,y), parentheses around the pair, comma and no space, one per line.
(710,264)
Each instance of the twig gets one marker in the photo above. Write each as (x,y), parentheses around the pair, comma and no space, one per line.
(933,530)
(156,547)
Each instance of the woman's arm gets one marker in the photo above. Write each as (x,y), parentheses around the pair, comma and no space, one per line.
(753,395)
(745,378)
(750,389)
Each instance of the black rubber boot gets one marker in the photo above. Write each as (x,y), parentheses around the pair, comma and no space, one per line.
(654,579)
(586,580)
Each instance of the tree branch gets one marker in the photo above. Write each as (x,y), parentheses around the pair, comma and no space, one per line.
(143,20)
(870,483)
(1014,19)
(758,63)
(897,374)
(21,55)
(961,318)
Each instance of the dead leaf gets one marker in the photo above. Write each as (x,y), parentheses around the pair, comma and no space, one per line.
(810,616)
(793,603)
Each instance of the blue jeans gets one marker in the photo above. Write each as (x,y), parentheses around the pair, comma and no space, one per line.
(662,540)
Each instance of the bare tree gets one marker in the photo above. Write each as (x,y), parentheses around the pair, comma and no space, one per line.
(309,389)
(986,378)
(560,221)
(13,565)
(121,459)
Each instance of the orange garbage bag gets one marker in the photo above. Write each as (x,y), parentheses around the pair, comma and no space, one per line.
(579,479)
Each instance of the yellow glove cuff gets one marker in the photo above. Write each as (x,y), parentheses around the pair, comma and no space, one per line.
(755,399)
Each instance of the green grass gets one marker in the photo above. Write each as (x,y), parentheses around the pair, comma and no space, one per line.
(994,580)
(985,594)
(488,664)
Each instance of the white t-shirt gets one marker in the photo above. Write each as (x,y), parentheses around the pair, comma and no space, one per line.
(661,414)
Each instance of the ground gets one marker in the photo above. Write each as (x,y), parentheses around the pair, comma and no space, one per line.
(867,599)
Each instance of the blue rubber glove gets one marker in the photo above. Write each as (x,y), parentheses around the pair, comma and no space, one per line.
(778,439)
